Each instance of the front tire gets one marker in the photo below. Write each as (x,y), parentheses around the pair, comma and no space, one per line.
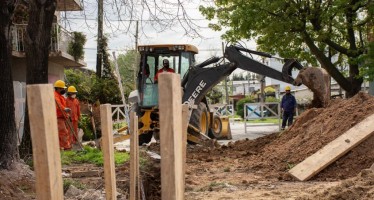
(199,118)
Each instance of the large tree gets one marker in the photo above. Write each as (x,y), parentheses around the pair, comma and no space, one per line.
(38,42)
(332,32)
(127,65)
(8,135)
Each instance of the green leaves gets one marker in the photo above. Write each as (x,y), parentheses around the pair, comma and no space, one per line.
(335,29)
(75,47)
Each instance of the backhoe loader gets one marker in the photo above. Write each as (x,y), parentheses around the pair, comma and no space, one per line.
(197,80)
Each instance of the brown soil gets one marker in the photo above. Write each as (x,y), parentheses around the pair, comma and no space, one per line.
(252,162)
(252,169)
(359,187)
(17,183)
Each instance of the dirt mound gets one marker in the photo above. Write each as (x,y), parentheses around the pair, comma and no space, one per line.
(317,127)
(359,187)
(273,155)
(17,183)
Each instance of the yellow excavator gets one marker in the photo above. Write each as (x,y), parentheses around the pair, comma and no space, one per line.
(197,80)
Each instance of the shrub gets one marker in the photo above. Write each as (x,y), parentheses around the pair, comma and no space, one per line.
(240,105)
(75,47)
(86,126)
(272,99)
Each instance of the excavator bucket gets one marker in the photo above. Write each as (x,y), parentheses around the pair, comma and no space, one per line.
(287,68)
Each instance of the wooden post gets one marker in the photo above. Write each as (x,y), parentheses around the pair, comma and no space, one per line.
(185,122)
(108,152)
(171,148)
(134,157)
(45,143)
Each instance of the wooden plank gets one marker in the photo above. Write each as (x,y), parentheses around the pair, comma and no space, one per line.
(133,155)
(108,152)
(90,173)
(170,105)
(185,122)
(45,143)
(334,150)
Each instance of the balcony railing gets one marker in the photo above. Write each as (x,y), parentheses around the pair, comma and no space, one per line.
(60,38)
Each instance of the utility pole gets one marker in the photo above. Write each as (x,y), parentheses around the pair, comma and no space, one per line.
(99,56)
(136,51)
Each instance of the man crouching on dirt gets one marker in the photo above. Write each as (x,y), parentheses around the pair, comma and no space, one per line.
(63,133)
(288,106)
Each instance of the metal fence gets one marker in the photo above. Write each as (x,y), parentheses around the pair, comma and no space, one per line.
(60,38)
(222,109)
(118,113)
(267,110)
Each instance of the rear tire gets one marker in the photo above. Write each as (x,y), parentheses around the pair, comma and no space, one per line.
(145,138)
(216,129)
(199,118)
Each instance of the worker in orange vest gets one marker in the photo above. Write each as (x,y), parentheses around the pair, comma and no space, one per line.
(75,114)
(62,114)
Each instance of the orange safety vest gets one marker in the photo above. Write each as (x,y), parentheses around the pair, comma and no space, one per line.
(62,102)
(73,104)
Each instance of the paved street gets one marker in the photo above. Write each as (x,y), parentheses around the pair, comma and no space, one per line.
(254,130)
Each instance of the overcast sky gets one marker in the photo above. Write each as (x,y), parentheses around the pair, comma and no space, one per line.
(121,32)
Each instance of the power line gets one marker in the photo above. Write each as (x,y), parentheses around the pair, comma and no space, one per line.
(134,20)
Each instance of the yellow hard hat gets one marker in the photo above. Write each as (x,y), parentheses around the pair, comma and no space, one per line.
(287,88)
(60,84)
(72,89)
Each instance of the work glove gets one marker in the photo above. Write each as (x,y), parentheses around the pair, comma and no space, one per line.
(67,109)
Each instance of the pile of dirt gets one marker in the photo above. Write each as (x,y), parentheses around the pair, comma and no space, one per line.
(359,187)
(17,183)
(317,127)
(272,156)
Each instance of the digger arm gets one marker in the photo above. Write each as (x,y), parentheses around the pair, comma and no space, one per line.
(200,79)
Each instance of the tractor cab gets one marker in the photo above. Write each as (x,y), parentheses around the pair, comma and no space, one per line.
(180,58)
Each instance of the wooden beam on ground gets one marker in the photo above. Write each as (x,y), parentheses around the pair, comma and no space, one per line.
(134,157)
(108,152)
(334,150)
(171,139)
(45,143)
(185,122)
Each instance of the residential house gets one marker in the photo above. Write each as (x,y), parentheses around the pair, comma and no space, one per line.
(59,58)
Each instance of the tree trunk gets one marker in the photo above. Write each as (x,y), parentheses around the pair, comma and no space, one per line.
(38,42)
(8,134)
(352,84)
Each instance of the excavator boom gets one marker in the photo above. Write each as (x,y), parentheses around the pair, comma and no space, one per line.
(200,78)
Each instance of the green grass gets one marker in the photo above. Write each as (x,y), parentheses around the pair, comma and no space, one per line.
(119,125)
(90,155)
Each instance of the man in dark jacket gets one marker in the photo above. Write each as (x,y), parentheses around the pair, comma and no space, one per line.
(288,106)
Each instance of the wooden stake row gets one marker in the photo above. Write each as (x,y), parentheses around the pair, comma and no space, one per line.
(47,163)
(46,150)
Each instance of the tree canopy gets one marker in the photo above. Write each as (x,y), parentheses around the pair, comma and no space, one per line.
(332,33)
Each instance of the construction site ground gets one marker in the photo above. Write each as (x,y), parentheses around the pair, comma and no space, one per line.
(245,168)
